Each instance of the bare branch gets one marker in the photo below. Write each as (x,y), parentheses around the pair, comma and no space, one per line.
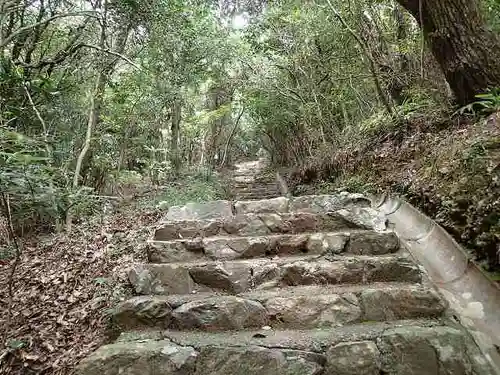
(124,58)
(21,30)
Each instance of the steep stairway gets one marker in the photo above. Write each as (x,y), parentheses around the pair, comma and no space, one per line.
(312,285)
(251,182)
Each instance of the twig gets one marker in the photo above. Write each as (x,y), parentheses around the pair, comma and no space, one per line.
(17,260)
(40,118)
(125,58)
(19,31)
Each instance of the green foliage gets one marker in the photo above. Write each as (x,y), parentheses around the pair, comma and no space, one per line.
(488,102)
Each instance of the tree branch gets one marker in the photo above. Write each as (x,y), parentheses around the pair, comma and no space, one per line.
(18,32)
(125,58)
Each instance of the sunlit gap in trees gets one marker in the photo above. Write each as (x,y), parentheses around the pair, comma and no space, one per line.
(240,21)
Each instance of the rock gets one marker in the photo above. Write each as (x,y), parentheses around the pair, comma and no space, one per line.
(257,361)
(174,230)
(353,358)
(274,205)
(365,217)
(174,251)
(217,313)
(161,279)
(234,247)
(314,311)
(289,244)
(372,243)
(140,357)
(246,225)
(201,211)
(407,303)
(143,311)
(275,223)
(321,243)
(426,351)
(321,273)
(327,203)
(216,276)
(392,269)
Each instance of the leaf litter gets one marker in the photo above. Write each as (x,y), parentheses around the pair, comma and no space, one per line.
(64,289)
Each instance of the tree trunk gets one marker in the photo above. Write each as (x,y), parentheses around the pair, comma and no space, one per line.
(174,134)
(468,53)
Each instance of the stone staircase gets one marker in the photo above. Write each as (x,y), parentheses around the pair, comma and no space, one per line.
(250,182)
(312,285)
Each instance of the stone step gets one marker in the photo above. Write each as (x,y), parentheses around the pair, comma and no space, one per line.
(399,348)
(234,247)
(240,276)
(252,225)
(305,307)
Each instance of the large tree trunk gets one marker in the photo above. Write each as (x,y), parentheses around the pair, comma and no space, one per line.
(468,53)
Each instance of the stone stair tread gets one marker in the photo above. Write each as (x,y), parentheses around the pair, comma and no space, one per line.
(253,224)
(237,276)
(291,307)
(227,247)
(427,347)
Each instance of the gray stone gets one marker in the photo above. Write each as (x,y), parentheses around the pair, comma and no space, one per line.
(425,351)
(289,244)
(275,205)
(353,358)
(274,223)
(139,358)
(327,203)
(257,361)
(392,269)
(175,251)
(320,243)
(220,313)
(143,311)
(174,230)
(365,217)
(246,225)
(201,211)
(314,311)
(162,279)
(217,276)
(321,273)
(372,243)
(401,303)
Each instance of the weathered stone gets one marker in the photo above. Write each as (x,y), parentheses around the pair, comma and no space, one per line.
(246,225)
(327,203)
(140,357)
(143,311)
(427,351)
(257,361)
(401,303)
(275,205)
(289,244)
(392,269)
(365,217)
(216,276)
(333,243)
(372,243)
(162,279)
(174,230)
(174,251)
(308,273)
(353,358)
(314,311)
(275,223)
(220,313)
(201,211)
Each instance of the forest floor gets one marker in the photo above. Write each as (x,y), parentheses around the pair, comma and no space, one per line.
(449,169)
(65,286)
